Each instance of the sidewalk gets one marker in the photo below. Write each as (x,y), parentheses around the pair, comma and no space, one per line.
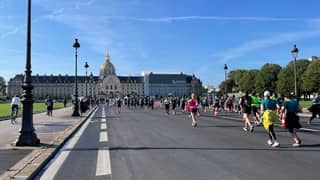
(22,162)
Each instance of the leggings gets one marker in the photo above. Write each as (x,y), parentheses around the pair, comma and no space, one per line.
(271,133)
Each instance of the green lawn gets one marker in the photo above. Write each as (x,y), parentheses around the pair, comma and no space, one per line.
(305,104)
(5,108)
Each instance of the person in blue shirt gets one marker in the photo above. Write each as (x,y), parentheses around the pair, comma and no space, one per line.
(315,108)
(268,109)
(290,107)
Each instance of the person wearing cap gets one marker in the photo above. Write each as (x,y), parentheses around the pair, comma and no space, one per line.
(290,107)
(268,107)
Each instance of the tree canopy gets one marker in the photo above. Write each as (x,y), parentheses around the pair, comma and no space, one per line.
(2,86)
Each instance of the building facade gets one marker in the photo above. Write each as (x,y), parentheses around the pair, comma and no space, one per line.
(108,84)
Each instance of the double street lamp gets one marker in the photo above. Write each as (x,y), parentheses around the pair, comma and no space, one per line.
(27,136)
(86,66)
(76,45)
(225,71)
(294,53)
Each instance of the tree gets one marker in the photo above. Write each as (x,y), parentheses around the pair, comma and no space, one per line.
(2,86)
(236,76)
(227,85)
(247,81)
(285,81)
(267,77)
(311,77)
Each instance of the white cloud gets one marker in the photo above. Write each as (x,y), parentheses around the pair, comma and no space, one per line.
(257,44)
(193,18)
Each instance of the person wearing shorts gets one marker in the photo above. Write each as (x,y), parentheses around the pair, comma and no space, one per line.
(245,105)
(290,107)
(193,106)
(268,107)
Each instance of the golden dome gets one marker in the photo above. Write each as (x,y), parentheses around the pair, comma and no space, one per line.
(107,67)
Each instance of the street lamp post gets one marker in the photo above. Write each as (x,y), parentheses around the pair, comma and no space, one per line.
(27,136)
(76,45)
(294,53)
(86,66)
(91,80)
(225,71)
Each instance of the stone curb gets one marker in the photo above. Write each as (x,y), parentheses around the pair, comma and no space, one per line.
(32,164)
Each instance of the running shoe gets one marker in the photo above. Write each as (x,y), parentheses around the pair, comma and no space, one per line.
(276,144)
(295,145)
(245,129)
(269,142)
(251,129)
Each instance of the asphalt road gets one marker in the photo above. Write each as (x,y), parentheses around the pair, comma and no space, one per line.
(139,144)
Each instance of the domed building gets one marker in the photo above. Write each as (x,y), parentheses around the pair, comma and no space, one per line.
(108,85)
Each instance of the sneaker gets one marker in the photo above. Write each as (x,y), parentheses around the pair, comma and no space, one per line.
(245,129)
(295,145)
(275,144)
(251,129)
(269,142)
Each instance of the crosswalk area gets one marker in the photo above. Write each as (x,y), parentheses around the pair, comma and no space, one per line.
(86,154)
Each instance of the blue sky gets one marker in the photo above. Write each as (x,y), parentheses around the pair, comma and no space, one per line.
(191,36)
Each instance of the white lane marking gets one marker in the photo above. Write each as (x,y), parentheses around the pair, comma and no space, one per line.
(103,127)
(103,120)
(312,130)
(103,115)
(57,163)
(103,162)
(103,136)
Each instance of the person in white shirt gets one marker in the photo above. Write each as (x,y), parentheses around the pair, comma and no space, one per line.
(15,102)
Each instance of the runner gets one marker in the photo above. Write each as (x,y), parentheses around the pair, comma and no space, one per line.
(268,107)
(255,106)
(193,106)
(15,102)
(315,108)
(245,105)
(167,105)
(119,102)
(174,105)
(290,107)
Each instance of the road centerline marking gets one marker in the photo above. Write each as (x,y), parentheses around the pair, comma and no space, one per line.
(103,162)
(103,136)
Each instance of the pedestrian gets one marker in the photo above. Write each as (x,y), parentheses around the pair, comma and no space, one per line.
(268,108)
(119,102)
(174,105)
(167,105)
(193,107)
(49,105)
(83,105)
(183,103)
(216,107)
(290,107)
(245,105)
(315,108)
(255,107)
(15,102)
(65,101)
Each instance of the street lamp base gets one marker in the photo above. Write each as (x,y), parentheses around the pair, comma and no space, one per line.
(75,113)
(27,139)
